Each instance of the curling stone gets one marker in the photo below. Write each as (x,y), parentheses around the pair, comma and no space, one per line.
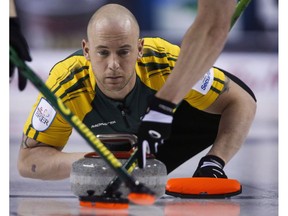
(91,174)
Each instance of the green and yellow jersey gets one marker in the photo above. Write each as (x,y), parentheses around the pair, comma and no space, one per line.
(73,81)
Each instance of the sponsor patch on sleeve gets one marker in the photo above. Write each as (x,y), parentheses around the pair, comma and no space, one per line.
(43,115)
(204,85)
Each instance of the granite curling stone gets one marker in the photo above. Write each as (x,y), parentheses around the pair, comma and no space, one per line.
(92,174)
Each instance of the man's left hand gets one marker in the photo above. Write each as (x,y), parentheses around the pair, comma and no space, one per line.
(210,166)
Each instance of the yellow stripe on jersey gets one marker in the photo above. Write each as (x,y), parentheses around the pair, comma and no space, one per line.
(159,59)
(200,101)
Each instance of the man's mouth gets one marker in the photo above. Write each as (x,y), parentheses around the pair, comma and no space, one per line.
(113,78)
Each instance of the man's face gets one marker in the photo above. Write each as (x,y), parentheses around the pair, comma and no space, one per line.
(113,53)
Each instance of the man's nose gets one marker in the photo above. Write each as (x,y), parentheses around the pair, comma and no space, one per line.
(113,62)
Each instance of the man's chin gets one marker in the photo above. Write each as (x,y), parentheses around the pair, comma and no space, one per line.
(113,87)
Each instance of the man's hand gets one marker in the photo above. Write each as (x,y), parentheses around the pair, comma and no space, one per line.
(154,129)
(210,166)
(19,43)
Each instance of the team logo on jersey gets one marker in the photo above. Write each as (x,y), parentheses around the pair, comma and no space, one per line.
(204,85)
(43,115)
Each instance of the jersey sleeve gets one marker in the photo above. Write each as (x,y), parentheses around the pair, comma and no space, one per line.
(205,92)
(44,123)
(72,81)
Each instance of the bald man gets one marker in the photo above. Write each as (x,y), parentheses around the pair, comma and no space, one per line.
(120,83)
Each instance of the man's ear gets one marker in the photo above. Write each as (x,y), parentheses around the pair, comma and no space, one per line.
(140,47)
(85,49)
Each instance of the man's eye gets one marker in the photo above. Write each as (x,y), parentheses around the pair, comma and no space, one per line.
(103,53)
(123,52)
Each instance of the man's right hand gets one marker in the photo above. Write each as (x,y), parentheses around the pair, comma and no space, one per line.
(154,129)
